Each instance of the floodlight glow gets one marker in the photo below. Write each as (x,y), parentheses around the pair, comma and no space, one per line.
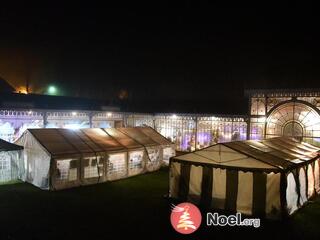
(174,116)
(74,113)
(109,114)
(52,90)
(72,126)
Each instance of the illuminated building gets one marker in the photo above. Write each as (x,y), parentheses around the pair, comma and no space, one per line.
(271,113)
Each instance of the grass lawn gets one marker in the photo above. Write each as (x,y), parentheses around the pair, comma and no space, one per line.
(133,208)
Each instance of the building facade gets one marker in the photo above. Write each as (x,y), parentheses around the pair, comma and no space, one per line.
(294,113)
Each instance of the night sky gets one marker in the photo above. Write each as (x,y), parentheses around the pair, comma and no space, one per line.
(161,57)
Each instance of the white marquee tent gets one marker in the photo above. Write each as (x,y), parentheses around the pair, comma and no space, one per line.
(11,161)
(270,178)
(63,158)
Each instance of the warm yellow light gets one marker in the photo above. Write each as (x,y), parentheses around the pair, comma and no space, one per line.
(109,114)
(22,90)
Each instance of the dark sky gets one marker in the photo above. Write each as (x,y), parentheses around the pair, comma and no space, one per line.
(167,58)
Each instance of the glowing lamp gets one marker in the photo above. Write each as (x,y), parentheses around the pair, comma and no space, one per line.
(52,90)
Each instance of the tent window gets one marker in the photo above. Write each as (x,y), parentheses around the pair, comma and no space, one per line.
(135,160)
(73,164)
(117,163)
(93,162)
(4,162)
(154,155)
(91,170)
(65,172)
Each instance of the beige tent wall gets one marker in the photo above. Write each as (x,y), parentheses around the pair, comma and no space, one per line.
(36,161)
(303,186)
(11,165)
(218,188)
(291,194)
(245,190)
(317,177)
(136,162)
(174,178)
(92,169)
(195,182)
(154,158)
(168,152)
(273,203)
(310,176)
(65,173)
(117,166)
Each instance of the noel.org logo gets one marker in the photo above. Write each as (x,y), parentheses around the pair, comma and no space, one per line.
(185,218)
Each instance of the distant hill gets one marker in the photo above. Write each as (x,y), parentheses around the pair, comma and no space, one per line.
(5,86)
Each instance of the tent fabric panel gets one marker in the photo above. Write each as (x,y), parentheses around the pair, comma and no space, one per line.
(117,167)
(272,198)
(86,139)
(195,184)
(206,186)
(292,146)
(232,182)
(243,147)
(154,156)
(259,194)
(174,178)
(192,157)
(218,188)
(37,161)
(65,173)
(299,147)
(317,176)
(17,164)
(123,139)
(11,165)
(292,149)
(184,181)
(53,141)
(220,153)
(245,189)
(247,162)
(291,194)
(155,136)
(280,148)
(303,186)
(73,139)
(138,136)
(265,147)
(136,162)
(310,177)
(101,139)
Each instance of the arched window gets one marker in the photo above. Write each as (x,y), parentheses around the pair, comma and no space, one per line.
(294,119)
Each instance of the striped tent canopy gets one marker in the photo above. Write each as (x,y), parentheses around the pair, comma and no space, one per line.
(269,178)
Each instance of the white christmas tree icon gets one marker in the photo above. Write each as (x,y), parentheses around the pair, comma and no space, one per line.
(184,220)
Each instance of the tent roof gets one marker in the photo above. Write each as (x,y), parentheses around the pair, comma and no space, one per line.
(58,141)
(6,146)
(270,155)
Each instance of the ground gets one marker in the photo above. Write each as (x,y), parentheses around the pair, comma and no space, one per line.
(133,207)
